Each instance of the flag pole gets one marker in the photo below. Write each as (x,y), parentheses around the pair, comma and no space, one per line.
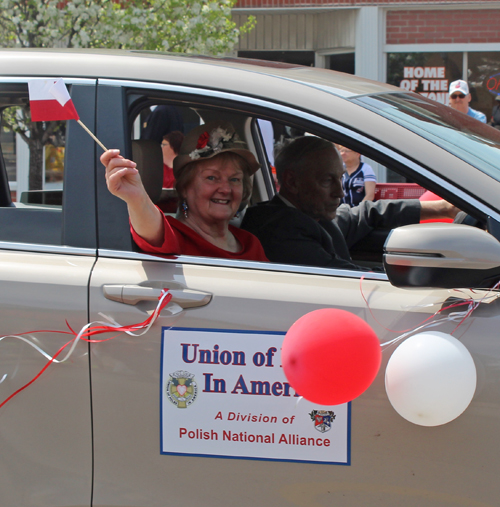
(92,135)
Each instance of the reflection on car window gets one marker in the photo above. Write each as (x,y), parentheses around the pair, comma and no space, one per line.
(34,157)
(33,166)
(475,143)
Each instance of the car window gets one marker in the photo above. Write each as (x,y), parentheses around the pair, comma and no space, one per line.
(472,141)
(47,193)
(33,158)
(148,120)
(155,119)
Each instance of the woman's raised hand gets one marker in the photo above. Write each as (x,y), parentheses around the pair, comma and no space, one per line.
(122,176)
(124,181)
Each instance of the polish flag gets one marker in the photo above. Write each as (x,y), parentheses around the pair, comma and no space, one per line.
(50,101)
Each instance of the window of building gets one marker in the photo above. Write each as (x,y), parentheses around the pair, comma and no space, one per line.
(484,80)
(343,62)
(430,74)
(427,73)
(293,57)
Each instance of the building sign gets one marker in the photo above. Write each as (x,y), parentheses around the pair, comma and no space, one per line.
(428,81)
(493,84)
(224,394)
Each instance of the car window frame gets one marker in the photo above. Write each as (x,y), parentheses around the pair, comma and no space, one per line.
(77,216)
(259,108)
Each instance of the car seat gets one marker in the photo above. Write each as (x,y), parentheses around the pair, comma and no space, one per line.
(149,159)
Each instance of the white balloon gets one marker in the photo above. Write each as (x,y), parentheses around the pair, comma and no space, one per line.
(430,378)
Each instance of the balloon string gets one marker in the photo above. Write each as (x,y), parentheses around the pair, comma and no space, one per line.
(85,333)
(31,344)
(477,303)
(454,316)
(410,329)
(51,360)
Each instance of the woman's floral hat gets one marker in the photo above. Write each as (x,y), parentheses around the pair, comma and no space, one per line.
(207,141)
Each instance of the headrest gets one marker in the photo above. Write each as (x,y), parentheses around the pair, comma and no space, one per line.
(148,156)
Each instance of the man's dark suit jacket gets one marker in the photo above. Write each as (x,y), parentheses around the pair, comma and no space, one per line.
(290,236)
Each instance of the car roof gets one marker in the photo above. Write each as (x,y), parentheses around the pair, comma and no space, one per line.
(181,68)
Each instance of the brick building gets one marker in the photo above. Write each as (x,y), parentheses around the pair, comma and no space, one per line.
(420,44)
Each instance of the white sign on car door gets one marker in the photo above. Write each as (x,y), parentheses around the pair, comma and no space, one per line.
(224,393)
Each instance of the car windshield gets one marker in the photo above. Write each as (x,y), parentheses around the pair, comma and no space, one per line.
(474,142)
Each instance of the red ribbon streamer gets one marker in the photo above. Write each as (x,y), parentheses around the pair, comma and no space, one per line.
(164,299)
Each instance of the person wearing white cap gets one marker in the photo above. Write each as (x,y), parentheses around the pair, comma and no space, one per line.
(460,98)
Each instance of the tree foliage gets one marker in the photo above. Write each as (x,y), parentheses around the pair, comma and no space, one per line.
(199,26)
(192,26)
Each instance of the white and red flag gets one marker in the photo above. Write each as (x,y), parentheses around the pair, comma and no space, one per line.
(50,101)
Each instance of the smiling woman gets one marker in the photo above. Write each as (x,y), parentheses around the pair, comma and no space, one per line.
(212,173)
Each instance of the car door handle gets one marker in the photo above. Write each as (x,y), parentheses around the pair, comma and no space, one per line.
(133,294)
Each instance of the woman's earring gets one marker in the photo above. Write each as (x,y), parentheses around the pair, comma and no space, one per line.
(185,208)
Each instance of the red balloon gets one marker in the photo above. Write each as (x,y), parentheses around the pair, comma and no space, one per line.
(330,356)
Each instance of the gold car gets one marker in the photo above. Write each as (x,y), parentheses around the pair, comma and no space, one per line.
(198,411)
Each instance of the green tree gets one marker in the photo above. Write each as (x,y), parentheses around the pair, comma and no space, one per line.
(191,26)
(201,26)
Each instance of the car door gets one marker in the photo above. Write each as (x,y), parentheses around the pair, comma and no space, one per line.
(47,250)
(233,430)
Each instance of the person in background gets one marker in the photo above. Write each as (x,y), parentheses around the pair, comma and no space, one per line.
(160,121)
(460,98)
(170,147)
(359,180)
(495,113)
(213,176)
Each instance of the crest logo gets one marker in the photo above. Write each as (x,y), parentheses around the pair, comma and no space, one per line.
(181,388)
(322,420)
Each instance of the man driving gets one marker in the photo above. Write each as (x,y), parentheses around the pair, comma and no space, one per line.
(305,222)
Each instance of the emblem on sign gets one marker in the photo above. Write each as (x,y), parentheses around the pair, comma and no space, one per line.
(181,388)
(322,420)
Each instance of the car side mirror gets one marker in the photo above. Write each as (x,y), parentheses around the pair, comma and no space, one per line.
(441,255)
